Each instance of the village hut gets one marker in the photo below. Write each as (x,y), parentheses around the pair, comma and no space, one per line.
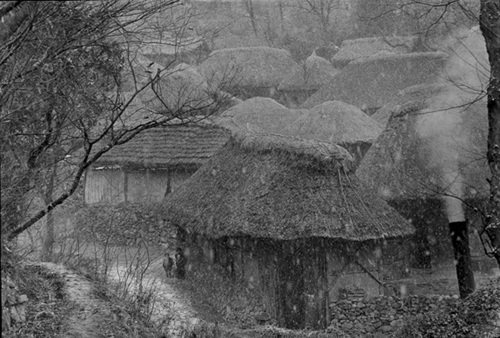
(429,158)
(248,71)
(303,81)
(352,50)
(339,123)
(288,217)
(259,114)
(152,164)
(371,83)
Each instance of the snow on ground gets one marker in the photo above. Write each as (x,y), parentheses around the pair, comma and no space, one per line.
(169,309)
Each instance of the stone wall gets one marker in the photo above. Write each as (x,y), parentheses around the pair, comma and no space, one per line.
(385,314)
(123,224)
(13,305)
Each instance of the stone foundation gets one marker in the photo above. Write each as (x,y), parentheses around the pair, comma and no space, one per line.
(381,314)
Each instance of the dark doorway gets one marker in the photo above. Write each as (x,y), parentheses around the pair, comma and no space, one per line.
(291,312)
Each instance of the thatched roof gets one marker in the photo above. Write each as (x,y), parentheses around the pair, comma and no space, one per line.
(316,72)
(138,72)
(259,114)
(408,96)
(282,188)
(256,67)
(182,88)
(351,50)
(163,147)
(336,122)
(373,82)
(426,139)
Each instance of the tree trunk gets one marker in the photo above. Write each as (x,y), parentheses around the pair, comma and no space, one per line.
(460,241)
(48,242)
(489,22)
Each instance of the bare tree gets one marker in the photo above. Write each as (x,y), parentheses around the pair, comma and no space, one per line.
(72,83)
(250,9)
(489,22)
(323,11)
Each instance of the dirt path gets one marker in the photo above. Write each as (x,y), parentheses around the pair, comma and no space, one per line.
(79,290)
(169,309)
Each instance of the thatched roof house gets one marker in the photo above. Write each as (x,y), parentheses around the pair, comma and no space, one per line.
(351,50)
(429,152)
(371,83)
(259,114)
(153,163)
(339,123)
(275,211)
(245,190)
(247,71)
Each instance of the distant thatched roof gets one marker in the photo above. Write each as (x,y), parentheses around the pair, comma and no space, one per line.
(256,67)
(315,73)
(426,140)
(336,122)
(259,114)
(406,98)
(351,50)
(139,71)
(180,89)
(163,147)
(282,188)
(373,82)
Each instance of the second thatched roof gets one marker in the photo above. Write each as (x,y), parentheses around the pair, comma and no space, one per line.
(336,122)
(256,67)
(259,114)
(371,83)
(268,186)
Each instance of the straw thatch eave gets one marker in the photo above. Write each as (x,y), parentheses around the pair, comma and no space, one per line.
(247,67)
(269,187)
(401,164)
(171,146)
(371,83)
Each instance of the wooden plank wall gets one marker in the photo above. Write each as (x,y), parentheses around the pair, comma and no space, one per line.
(105,186)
